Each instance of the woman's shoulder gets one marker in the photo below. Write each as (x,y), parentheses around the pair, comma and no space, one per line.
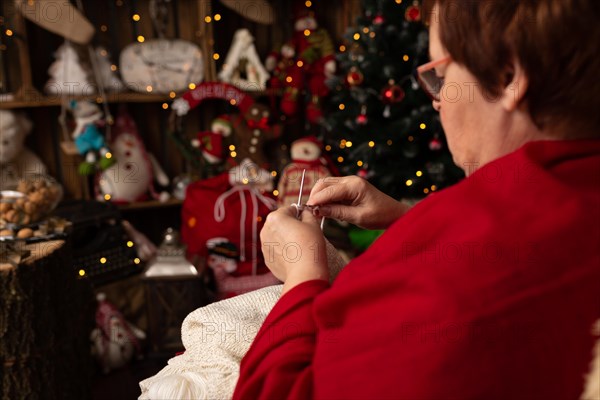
(519,208)
(539,174)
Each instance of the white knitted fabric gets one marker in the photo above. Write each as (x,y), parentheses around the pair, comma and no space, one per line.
(216,338)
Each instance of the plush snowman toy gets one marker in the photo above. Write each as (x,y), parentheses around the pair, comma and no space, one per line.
(306,157)
(131,178)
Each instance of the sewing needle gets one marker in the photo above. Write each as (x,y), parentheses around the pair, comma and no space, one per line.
(300,194)
(299,206)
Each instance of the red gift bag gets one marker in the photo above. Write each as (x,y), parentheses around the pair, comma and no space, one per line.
(214,208)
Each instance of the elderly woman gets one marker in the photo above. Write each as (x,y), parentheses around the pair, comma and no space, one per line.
(486,290)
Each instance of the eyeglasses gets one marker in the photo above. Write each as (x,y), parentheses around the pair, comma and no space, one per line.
(428,79)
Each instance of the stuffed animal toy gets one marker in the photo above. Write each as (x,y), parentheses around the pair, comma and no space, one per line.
(212,144)
(306,156)
(223,259)
(252,131)
(131,178)
(114,340)
(88,139)
(305,62)
(16,161)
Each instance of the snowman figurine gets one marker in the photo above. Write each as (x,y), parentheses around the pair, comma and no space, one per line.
(131,178)
(306,156)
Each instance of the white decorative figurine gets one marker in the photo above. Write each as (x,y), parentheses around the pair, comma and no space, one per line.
(68,75)
(242,67)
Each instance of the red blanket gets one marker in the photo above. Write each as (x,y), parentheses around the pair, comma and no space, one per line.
(486,290)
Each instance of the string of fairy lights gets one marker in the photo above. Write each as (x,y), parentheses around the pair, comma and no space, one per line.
(136,18)
(103,261)
(364,33)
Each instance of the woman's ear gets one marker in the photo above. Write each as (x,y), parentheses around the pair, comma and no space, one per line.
(515,87)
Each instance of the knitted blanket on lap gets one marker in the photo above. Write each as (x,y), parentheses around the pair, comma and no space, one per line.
(216,338)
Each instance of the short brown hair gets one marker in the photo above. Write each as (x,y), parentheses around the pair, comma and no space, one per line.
(555,41)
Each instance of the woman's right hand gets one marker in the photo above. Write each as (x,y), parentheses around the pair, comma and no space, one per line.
(353,199)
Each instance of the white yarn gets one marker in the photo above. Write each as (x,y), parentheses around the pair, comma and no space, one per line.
(186,385)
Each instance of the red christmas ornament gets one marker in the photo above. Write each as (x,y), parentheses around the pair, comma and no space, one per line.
(362,119)
(363,173)
(435,144)
(413,13)
(379,19)
(354,77)
(392,93)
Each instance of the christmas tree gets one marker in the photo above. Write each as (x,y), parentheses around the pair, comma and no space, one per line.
(380,125)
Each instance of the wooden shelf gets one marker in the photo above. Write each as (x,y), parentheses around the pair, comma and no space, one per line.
(49,101)
(124,97)
(144,205)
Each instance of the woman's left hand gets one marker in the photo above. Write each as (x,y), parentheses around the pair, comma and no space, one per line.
(294,250)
